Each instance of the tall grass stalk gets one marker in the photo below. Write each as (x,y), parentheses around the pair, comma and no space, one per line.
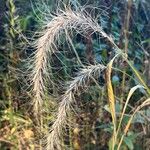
(126,38)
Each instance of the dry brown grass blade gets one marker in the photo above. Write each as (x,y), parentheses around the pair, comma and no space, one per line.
(111,98)
(145,103)
(110,90)
(132,90)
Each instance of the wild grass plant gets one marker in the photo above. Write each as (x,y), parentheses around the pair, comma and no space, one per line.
(87,77)
(66,23)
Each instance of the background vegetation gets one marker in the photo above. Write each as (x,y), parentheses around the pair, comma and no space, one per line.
(91,123)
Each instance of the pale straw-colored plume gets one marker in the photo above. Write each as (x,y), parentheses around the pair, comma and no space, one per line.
(54,138)
(46,45)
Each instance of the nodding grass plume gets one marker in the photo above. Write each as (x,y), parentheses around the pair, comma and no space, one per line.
(54,139)
(46,46)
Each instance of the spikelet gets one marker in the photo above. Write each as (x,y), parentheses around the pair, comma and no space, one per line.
(54,138)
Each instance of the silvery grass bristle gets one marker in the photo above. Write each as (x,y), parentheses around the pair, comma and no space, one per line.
(54,138)
(46,45)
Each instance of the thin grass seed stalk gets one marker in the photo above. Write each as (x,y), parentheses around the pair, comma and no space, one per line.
(54,138)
